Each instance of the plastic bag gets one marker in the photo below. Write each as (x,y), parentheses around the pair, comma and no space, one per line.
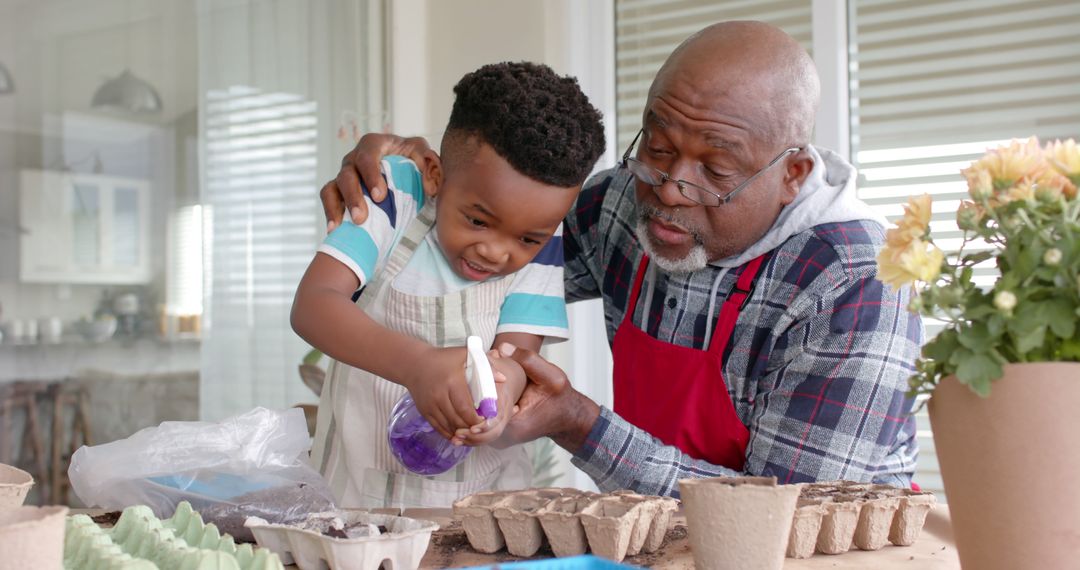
(254,464)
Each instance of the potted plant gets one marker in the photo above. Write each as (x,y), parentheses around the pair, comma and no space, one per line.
(1003,374)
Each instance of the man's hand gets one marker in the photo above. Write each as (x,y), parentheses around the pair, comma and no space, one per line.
(549,406)
(510,381)
(362,163)
(441,392)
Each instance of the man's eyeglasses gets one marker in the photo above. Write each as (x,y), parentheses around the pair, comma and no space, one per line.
(695,192)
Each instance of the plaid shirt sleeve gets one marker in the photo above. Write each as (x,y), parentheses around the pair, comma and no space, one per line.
(827,398)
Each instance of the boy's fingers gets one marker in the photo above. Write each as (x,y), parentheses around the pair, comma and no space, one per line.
(438,421)
(461,400)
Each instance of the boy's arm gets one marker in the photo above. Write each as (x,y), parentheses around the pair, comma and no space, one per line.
(324,315)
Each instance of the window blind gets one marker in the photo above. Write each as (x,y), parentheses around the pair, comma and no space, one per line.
(260,167)
(934,84)
(646,31)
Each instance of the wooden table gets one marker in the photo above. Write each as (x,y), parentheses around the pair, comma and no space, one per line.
(935,549)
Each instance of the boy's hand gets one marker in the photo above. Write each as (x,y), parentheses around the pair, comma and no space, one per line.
(509,382)
(441,391)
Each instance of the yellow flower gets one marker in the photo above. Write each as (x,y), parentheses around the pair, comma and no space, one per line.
(980,184)
(913,225)
(1022,191)
(1065,156)
(920,261)
(1005,167)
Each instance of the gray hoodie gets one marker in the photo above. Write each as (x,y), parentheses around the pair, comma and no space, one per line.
(827,196)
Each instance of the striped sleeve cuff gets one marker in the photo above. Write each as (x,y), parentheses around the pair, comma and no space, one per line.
(353,246)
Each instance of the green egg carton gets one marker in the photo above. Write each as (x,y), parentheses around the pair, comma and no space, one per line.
(141,541)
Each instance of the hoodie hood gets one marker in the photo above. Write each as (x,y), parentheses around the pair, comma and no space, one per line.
(826,197)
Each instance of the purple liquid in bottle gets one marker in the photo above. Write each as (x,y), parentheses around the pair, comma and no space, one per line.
(417,445)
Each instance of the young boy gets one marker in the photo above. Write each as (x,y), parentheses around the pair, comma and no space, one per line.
(483,256)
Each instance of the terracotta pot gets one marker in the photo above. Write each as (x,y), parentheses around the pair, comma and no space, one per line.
(1009,462)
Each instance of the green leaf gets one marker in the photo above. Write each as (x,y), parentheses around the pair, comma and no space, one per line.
(1030,340)
(1070,349)
(977,337)
(978,370)
(942,347)
(1058,313)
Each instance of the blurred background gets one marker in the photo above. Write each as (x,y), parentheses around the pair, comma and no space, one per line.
(160,163)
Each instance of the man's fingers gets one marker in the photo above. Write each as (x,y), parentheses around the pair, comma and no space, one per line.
(366,159)
(333,206)
(348,184)
(539,370)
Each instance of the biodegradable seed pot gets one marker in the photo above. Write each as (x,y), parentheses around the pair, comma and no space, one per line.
(32,537)
(738,522)
(15,484)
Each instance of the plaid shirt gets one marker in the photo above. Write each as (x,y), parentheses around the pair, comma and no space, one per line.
(817,366)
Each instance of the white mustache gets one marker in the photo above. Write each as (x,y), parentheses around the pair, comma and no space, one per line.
(649,211)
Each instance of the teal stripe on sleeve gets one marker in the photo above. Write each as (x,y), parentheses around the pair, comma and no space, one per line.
(406,178)
(355,242)
(535,310)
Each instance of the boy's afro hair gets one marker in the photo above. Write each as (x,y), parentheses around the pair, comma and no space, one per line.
(539,122)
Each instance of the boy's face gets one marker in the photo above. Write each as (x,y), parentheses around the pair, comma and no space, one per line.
(492,220)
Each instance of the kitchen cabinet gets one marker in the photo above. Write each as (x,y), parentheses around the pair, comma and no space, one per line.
(83,228)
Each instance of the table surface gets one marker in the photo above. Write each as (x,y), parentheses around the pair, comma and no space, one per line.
(935,549)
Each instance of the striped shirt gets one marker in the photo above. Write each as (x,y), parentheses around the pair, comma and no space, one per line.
(534,303)
(817,366)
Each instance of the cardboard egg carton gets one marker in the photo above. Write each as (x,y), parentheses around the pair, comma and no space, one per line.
(571,521)
(141,541)
(347,540)
(832,517)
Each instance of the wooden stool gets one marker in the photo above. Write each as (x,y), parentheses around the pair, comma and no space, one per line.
(23,396)
(69,400)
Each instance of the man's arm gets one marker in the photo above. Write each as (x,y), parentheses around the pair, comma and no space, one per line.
(834,409)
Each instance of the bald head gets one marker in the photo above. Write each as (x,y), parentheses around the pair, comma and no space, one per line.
(752,64)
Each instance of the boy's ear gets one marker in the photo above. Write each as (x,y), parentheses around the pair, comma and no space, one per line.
(431,172)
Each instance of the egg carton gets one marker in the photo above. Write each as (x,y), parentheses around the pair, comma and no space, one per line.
(141,541)
(348,540)
(833,517)
(571,521)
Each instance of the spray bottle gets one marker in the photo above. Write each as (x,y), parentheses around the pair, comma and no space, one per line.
(415,442)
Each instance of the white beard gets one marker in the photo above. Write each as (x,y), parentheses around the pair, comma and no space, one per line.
(696,260)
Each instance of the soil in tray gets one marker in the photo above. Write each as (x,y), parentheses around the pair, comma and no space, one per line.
(344,532)
(449,542)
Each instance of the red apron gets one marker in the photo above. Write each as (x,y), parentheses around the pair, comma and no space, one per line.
(677,393)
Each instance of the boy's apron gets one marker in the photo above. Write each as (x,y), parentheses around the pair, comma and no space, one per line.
(350,448)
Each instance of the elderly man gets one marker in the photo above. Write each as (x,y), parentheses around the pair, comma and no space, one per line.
(736,266)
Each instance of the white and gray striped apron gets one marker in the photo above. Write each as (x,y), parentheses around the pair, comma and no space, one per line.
(351,449)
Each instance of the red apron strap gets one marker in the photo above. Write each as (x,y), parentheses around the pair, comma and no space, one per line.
(638,279)
(733,305)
